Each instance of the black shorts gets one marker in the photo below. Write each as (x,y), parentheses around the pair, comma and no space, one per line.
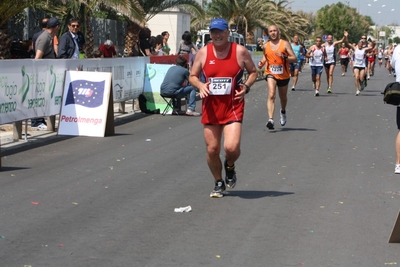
(279,83)
(328,65)
(398,118)
(344,61)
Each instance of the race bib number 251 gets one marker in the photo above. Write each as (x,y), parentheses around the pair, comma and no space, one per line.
(220,86)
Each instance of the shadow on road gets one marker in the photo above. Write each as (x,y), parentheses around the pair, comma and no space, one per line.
(287,129)
(253,194)
(10,169)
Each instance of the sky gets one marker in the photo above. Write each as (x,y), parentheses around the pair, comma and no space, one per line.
(382,12)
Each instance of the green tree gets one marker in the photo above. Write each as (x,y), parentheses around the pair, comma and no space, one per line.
(336,18)
(83,9)
(8,9)
(248,15)
(309,27)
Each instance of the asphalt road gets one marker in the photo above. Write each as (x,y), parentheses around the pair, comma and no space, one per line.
(319,191)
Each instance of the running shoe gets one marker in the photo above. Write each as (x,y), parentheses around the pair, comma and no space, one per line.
(368,77)
(358,93)
(316,93)
(293,88)
(270,124)
(219,189)
(397,169)
(230,175)
(362,85)
(329,91)
(192,113)
(365,83)
(283,118)
(342,74)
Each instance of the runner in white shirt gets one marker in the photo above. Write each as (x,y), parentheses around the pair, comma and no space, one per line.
(380,55)
(316,55)
(330,59)
(359,63)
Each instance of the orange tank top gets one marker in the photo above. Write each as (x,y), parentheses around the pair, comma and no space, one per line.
(277,66)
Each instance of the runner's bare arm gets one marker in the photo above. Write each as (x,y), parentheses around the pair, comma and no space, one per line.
(246,62)
(290,54)
(338,41)
(346,40)
(195,72)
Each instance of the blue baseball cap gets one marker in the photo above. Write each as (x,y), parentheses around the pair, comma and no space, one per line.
(219,24)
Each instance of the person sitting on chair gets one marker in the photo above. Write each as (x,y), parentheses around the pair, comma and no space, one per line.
(176,84)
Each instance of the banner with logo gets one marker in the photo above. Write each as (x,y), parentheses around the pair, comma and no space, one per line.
(154,76)
(85,103)
(33,88)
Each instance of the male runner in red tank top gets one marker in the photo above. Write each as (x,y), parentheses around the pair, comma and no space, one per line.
(220,65)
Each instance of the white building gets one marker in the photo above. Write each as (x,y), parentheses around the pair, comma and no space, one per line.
(395,32)
(175,21)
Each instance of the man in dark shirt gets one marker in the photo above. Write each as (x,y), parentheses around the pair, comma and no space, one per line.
(68,46)
(175,84)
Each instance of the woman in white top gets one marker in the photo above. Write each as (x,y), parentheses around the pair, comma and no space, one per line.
(330,59)
(359,63)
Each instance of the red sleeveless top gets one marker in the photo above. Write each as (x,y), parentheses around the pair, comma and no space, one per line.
(224,75)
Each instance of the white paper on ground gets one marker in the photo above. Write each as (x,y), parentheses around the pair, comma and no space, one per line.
(183,209)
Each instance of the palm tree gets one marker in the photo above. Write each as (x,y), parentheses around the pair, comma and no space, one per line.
(8,9)
(248,15)
(83,9)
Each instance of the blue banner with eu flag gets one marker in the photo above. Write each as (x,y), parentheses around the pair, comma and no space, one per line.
(85,93)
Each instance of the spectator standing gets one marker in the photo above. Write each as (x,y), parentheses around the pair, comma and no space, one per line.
(36,35)
(69,47)
(108,49)
(44,46)
(156,45)
(165,48)
(144,45)
(45,50)
(186,46)
(26,49)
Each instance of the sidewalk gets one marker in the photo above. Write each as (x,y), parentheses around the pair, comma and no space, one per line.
(35,134)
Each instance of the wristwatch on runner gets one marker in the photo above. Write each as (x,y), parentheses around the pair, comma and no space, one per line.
(247,87)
